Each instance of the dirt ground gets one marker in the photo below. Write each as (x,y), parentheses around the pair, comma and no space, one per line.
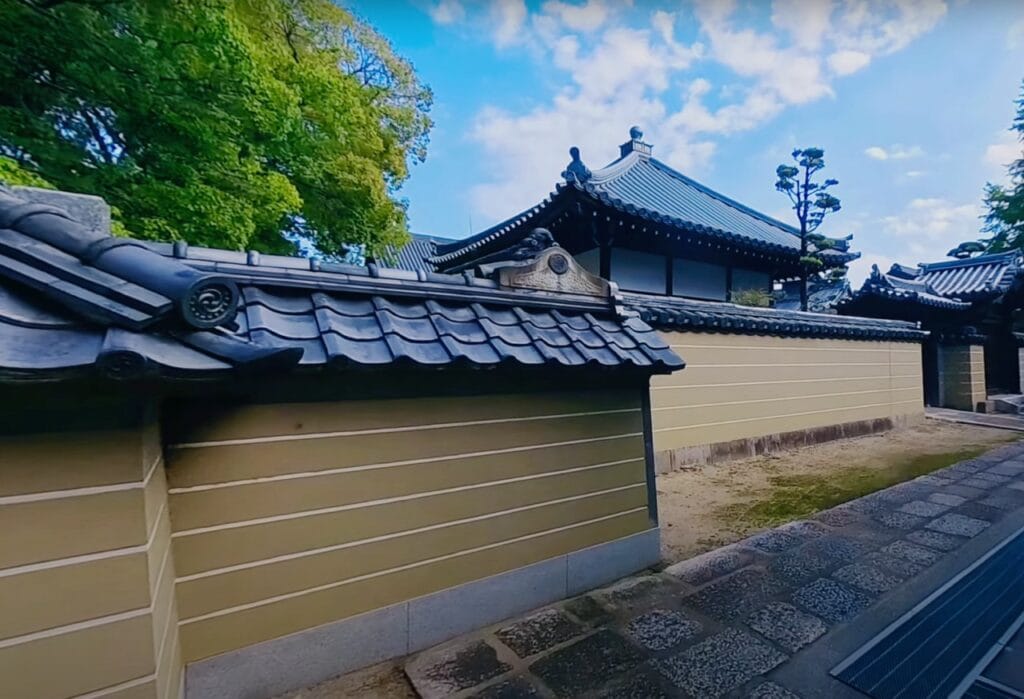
(384,681)
(705,507)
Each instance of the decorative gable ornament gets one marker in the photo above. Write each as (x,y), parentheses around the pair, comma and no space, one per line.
(576,171)
(537,262)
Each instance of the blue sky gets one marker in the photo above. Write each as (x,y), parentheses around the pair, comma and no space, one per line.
(911,99)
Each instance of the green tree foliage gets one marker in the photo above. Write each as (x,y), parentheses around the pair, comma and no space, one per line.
(230,123)
(812,202)
(1005,218)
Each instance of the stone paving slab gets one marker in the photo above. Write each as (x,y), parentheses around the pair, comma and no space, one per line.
(537,633)
(770,690)
(711,565)
(786,625)
(831,600)
(947,499)
(514,688)
(914,553)
(721,624)
(959,525)
(720,664)
(443,671)
(662,629)
(587,664)
(924,509)
(737,595)
(936,540)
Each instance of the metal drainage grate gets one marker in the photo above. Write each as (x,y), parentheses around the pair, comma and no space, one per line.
(931,649)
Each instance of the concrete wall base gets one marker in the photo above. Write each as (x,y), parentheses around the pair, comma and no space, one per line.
(308,657)
(675,459)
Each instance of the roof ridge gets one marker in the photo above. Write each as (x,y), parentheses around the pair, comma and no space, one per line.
(986,258)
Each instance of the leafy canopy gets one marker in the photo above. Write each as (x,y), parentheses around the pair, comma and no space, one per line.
(812,202)
(229,123)
(1005,218)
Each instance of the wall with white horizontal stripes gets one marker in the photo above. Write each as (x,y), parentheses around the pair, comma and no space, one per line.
(290,516)
(87,604)
(744,386)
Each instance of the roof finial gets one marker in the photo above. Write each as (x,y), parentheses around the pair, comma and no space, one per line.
(635,144)
(576,171)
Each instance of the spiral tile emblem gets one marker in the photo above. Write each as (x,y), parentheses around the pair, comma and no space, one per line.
(211,304)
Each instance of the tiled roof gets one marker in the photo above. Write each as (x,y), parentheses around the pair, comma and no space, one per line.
(822,296)
(373,330)
(713,316)
(60,316)
(640,185)
(951,285)
(413,255)
(981,276)
(645,184)
(897,287)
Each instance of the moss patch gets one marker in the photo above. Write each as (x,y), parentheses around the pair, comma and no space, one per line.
(798,496)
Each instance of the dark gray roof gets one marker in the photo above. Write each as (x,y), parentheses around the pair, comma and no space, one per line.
(666,312)
(822,296)
(952,285)
(60,316)
(900,288)
(648,185)
(640,185)
(413,255)
(976,277)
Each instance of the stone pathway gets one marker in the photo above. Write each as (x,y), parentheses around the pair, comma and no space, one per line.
(998,420)
(723,623)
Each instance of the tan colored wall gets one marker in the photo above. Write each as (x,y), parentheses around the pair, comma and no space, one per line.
(962,371)
(86,580)
(740,386)
(291,516)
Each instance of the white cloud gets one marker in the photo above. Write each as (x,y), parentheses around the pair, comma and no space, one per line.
(509,17)
(788,72)
(895,152)
(929,227)
(881,27)
(447,12)
(924,231)
(1004,151)
(848,62)
(621,78)
(806,22)
(583,18)
(621,69)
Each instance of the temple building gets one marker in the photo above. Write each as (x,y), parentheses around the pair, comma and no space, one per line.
(651,230)
(968,306)
(703,270)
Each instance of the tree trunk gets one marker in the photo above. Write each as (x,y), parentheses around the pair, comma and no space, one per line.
(803,239)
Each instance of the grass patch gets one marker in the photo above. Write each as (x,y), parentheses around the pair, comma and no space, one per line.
(798,496)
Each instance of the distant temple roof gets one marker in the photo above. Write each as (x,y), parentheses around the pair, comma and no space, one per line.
(639,185)
(78,303)
(950,286)
(673,313)
(976,277)
(413,255)
(822,295)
